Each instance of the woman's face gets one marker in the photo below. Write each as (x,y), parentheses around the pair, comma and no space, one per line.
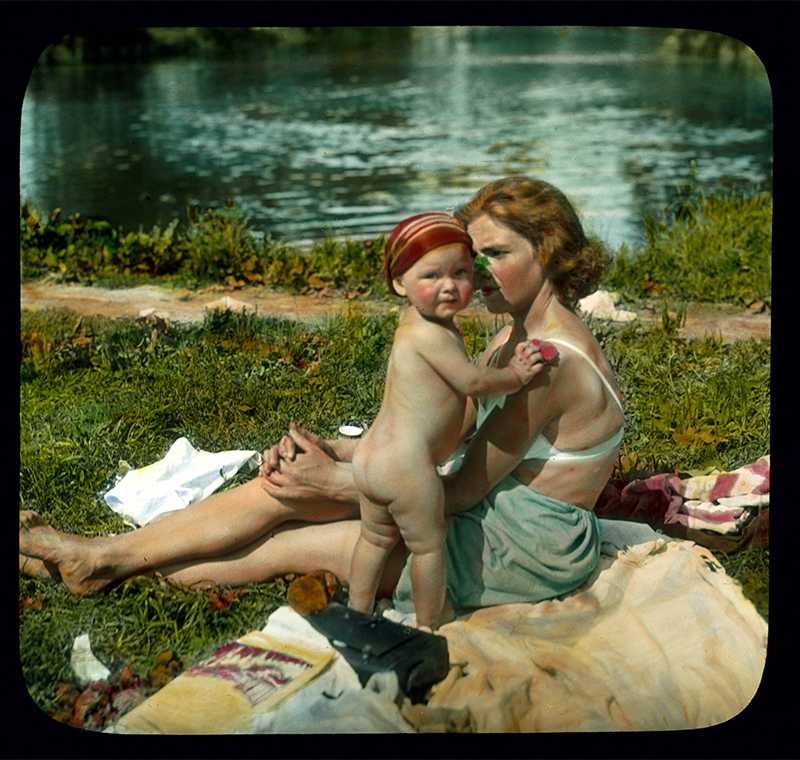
(514,276)
(440,284)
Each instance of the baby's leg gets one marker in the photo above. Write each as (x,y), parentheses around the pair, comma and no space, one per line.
(429,583)
(420,518)
(379,535)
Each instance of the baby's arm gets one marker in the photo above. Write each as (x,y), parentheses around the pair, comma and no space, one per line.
(450,362)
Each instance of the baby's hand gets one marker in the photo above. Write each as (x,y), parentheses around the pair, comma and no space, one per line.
(547,350)
(527,362)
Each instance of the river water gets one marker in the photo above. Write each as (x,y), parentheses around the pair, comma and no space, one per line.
(349,142)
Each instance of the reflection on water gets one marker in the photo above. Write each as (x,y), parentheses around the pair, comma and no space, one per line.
(351,143)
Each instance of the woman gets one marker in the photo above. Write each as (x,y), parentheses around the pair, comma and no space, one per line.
(520,502)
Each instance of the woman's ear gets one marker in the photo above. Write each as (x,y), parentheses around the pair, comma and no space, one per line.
(397,284)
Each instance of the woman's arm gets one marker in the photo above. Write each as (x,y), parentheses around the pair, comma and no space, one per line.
(502,441)
(343,448)
(471,410)
(470,417)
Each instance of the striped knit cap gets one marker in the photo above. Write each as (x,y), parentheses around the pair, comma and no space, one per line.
(413,238)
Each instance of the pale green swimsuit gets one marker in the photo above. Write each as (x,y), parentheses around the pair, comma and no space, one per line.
(517,545)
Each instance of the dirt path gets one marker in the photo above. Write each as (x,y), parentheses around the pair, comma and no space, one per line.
(182,305)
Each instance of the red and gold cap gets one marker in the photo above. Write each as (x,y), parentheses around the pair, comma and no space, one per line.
(413,238)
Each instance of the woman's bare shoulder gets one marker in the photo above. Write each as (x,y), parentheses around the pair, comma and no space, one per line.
(497,342)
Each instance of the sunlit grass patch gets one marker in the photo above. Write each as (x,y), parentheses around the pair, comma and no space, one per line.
(236,382)
(750,568)
(232,382)
(131,624)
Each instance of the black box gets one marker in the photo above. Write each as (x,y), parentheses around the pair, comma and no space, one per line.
(373,644)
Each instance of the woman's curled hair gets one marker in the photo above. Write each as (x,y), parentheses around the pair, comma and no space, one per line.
(542,214)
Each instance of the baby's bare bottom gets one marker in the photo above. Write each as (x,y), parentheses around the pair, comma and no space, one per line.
(418,517)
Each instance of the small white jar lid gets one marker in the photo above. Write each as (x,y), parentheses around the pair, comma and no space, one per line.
(351,431)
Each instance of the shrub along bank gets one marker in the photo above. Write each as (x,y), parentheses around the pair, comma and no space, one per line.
(215,245)
(705,246)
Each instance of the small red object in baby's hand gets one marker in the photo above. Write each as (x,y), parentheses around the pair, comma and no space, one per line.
(547,350)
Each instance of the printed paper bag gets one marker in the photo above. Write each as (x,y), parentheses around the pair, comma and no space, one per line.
(253,675)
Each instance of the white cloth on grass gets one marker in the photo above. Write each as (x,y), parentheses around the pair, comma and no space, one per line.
(335,703)
(184,476)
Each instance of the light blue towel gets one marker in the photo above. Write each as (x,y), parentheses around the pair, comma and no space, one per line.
(515,546)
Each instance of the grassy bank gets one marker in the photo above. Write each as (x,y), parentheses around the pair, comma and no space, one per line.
(94,392)
(112,45)
(212,245)
(712,245)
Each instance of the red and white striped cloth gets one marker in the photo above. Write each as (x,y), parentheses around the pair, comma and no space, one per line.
(720,501)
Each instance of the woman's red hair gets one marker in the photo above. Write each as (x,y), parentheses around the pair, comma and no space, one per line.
(542,214)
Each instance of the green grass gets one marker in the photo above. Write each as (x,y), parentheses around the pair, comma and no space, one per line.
(692,404)
(94,392)
(709,244)
(99,391)
(751,569)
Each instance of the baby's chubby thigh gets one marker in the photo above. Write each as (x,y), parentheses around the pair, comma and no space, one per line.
(400,488)
(419,512)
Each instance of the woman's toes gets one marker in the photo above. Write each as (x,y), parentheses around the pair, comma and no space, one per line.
(38,567)
(30,519)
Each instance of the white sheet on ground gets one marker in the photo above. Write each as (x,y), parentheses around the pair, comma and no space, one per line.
(335,703)
(184,476)
(331,701)
(658,638)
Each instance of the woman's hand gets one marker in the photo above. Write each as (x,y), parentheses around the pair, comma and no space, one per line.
(302,467)
(286,449)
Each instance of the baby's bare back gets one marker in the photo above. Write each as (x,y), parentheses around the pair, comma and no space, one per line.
(418,426)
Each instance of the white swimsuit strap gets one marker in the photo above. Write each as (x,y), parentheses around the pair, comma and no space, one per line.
(593,366)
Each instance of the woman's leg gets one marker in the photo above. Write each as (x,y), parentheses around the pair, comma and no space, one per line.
(214,527)
(292,548)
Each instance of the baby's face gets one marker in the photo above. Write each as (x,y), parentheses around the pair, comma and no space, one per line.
(440,284)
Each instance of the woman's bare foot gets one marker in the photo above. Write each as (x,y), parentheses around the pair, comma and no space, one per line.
(74,559)
(38,568)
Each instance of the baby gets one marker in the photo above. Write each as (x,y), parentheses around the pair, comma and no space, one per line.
(429,261)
